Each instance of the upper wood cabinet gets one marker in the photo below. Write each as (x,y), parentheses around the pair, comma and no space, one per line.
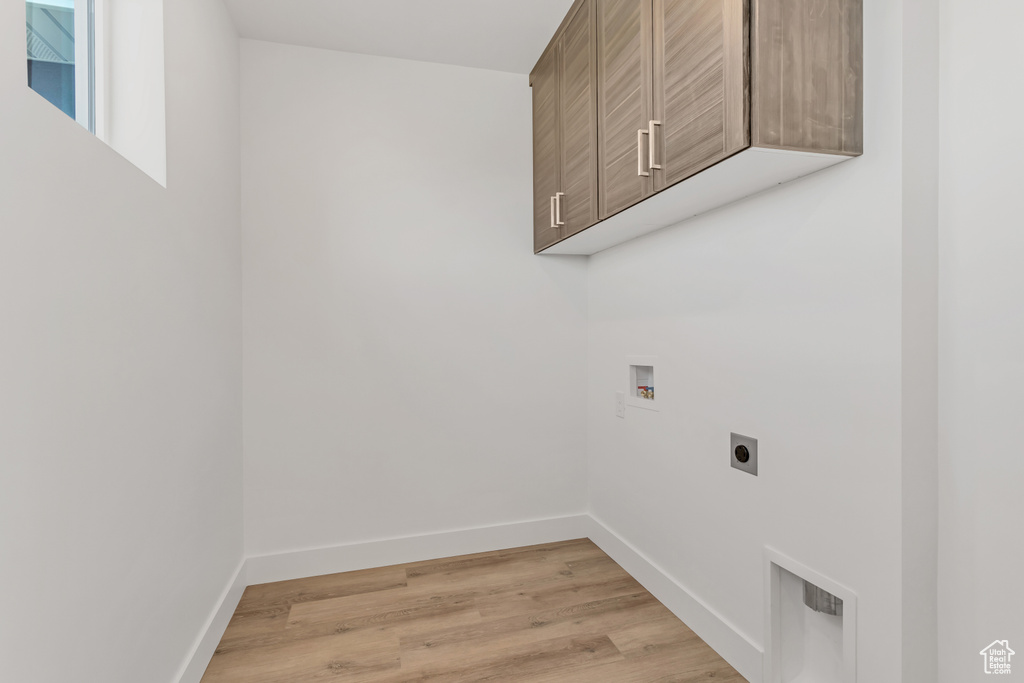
(565,131)
(731,96)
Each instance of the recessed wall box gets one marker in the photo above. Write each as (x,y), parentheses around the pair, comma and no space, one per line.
(640,387)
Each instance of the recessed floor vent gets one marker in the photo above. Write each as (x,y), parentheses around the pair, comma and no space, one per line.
(811,625)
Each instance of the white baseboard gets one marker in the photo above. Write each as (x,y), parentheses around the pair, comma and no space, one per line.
(383,553)
(206,644)
(736,648)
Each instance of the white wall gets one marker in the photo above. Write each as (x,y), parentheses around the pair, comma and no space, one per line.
(780,318)
(920,389)
(120,337)
(981,337)
(410,365)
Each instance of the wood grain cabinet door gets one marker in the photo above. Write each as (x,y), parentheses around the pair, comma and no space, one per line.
(546,149)
(578,94)
(701,86)
(624,102)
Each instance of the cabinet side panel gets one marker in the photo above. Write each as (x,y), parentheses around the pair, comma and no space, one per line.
(737,74)
(579,122)
(808,75)
(624,99)
(546,148)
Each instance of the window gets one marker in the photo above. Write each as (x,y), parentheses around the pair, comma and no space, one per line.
(120,99)
(61,37)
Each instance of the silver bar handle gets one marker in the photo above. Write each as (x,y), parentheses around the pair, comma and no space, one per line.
(554,226)
(651,154)
(558,210)
(640,153)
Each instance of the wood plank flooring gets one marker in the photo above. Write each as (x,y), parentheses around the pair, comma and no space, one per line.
(561,612)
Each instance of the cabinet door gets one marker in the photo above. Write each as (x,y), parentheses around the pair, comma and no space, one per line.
(624,101)
(578,80)
(546,149)
(701,85)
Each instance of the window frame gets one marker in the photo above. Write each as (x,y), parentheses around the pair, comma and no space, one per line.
(90,53)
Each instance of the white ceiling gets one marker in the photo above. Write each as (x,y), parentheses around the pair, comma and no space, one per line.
(503,35)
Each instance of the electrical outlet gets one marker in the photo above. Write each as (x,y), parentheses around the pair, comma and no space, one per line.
(620,404)
(743,453)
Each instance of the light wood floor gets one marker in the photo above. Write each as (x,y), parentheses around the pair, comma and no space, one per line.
(558,612)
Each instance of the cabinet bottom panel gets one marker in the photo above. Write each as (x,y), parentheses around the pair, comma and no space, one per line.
(746,173)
